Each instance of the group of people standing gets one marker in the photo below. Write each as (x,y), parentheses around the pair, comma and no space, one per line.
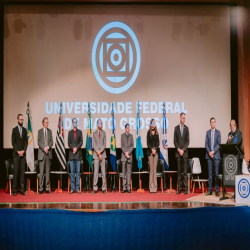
(75,141)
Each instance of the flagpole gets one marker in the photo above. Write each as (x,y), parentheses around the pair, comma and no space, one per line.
(164,132)
(27,112)
(89,114)
(60,112)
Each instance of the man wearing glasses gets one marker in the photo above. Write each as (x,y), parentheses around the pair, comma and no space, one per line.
(19,142)
(45,143)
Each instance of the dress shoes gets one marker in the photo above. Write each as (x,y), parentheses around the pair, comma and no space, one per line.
(47,192)
(129,191)
(40,192)
(217,194)
(94,192)
(71,192)
(123,191)
(186,192)
(104,191)
(178,192)
(209,193)
(14,193)
(22,193)
(79,192)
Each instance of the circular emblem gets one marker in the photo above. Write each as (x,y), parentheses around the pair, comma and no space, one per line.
(231,165)
(116,57)
(243,188)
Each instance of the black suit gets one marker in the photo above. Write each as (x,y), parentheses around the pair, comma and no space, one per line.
(237,139)
(19,143)
(181,142)
(75,143)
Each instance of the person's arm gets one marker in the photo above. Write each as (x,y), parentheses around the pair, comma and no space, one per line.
(25,141)
(218,146)
(187,142)
(148,135)
(79,145)
(122,146)
(104,144)
(239,139)
(71,146)
(157,141)
(206,144)
(39,141)
(13,140)
(175,139)
(94,145)
(130,150)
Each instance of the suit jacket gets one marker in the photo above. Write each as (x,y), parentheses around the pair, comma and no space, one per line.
(41,143)
(75,144)
(127,145)
(19,143)
(99,144)
(238,139)
(217,142)
(152,142)
(181,142)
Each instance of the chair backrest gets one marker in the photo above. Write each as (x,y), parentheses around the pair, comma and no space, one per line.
(119,166)
(9,164)
(196,166)
(244,167)
(160,166)
(190,165)
(37,167)
(68,168)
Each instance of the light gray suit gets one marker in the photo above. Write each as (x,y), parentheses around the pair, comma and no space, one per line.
(99,144)
(44,160)
(127,145)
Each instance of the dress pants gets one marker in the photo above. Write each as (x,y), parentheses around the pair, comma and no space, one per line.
(19,166)
(153,161)
(96,172)
(126,173)
(182,168)
(210,164)
(44,165)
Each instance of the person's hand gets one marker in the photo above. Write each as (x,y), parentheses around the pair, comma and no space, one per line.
(181,152)
(229,138)
(153,151)
(100,157)
(45,150)
(98,152)
(211,154)
(21,153)
(74,150)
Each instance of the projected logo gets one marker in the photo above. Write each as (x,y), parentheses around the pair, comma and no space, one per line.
(243,188)
(116,57)
(230,165)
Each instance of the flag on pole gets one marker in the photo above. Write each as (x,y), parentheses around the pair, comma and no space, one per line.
(113,144)
(164,143)
(89,149)
(139,150)
(59,146)
(30,148)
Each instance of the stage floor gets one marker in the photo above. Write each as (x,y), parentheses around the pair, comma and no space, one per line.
(89,202)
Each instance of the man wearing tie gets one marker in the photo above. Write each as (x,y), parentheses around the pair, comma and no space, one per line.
(45,143)
(212,144)
(19,142)
(181,142)
(127,146)
(99,156)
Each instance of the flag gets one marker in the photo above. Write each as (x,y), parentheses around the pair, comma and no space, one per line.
(89,149)
(59,146)
(30,148)
(113,148)
(139,151)
(164,144)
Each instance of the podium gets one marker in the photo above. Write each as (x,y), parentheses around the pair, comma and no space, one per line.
(231,165)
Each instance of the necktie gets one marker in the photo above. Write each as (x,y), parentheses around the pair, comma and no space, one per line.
(212,142)
(181,130)
(20,131)
(99,134)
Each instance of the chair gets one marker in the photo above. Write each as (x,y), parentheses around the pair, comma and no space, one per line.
(100,173)
(196,170)
(220,175)
(69,175)
(120,175)
(9,164)
(190,164)
(244,167)
(159,171)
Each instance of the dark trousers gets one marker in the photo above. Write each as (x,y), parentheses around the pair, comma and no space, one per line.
(44,164)
(126,172)
(19,166)
(210,164)
(182,168)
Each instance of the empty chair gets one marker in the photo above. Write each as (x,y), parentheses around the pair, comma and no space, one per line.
(244,167)
(196,169)
(9,173)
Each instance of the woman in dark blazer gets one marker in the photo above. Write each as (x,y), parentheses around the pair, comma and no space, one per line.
(152,152)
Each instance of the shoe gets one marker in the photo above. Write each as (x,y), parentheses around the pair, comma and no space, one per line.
(47,192)
(217,194)
(79,192)
(94,192)
(14,193)
(22,193)
(71,192)
(186,192)
(123,191)
(40,192)
(209,193)
(178,192)
(129,191)
(104,191)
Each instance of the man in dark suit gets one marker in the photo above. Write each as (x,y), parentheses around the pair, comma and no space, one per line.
(45,143)
(212,145)
(75,156)
(127,146)
(19,143)
(181,142)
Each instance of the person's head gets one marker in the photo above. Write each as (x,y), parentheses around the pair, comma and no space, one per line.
(127,128)
(20,119)
(182,118)
(152,124)
(233,125)
(99,124)
(212,123)
(74,122)
(45,122)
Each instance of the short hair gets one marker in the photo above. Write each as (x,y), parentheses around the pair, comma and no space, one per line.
(127,125)
(234,122)
(182,113)
(19,115)
(45,118)
(73,119)
(212,118)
